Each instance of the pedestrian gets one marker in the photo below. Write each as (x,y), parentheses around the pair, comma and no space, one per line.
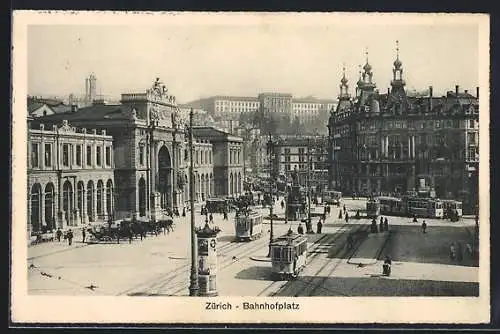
(350,241)
(381,220)
(452,252)
(282,205)
(83,235)
(386,267)
(320,226)
(211,219)
(346,217)
(344,209)
(424,226)
(300,229)
(59,234)
(386,224)
(130,235)
(225,215)
(70,237)
(415,219)
(184,212)
(340,214)
(381,225)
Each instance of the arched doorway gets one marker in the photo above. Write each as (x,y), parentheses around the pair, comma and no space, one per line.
(164,176)
(80,198)
(36,207)
(231,184)
(142,197)
(239,183)
(50,221)
(68,202)
(109,198)
(90,201)
(100,199)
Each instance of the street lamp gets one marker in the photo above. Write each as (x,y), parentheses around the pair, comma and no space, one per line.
(309,224)
(270,149)
(193,286)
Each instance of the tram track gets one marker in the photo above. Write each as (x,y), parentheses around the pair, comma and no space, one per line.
(310,286)
(222,265)
(278,285)
(160,282)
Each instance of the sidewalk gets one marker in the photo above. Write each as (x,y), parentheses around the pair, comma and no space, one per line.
(53,247)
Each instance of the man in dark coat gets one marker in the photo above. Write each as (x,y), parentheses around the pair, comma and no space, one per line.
(300,229)
(320,226)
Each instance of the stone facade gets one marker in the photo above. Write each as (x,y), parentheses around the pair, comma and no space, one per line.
(394,143)
(70,176)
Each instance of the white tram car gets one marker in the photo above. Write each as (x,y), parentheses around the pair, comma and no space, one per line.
(248,226)
(425,207)
(289,255)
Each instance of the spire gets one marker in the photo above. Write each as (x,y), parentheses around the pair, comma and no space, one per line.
(397,62)
(343,84)
(367,66)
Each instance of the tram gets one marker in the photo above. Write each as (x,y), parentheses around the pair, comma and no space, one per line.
(289,255)
(392,206)
(248,226)
(332,197)
(372,208)
(452,207)
(425,207)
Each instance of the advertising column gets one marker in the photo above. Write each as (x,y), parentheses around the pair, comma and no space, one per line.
(207,260)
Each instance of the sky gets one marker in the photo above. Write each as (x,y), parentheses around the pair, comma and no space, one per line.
(231,58)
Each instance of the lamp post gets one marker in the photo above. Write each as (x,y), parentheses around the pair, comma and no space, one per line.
(270,153)
(193,286)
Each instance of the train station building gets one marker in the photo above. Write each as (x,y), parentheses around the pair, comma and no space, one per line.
(393,143)
(148,140)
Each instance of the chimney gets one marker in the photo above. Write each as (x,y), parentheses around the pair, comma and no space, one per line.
(456,90)
(465,91)
(430,98)
(477,92)
(74,108)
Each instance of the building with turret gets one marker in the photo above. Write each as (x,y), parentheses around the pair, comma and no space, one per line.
(394,143)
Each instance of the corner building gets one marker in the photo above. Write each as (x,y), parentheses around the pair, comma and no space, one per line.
(393,143)
(70,176)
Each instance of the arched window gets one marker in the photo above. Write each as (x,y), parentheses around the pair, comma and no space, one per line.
(90,201)
(49,206)
(68,202)
(239,183)
(36,207)
(142,197)
(100,198)
(80,198)
(231,185)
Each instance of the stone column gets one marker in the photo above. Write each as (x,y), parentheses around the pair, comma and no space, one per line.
(42,207)
(413,146)
(105,203)
(409,148)
(386,146)
(94,202)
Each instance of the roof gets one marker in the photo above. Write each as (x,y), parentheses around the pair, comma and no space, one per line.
(35,105)
(95,112)
(213,133)
(47,101)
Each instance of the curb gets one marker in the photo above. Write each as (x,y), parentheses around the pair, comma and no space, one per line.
(260,259)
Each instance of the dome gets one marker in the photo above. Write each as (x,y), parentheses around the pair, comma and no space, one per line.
(367,67)
(398,63)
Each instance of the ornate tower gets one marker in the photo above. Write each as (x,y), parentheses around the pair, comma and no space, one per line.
(397,82)
(366,87)
(90,88)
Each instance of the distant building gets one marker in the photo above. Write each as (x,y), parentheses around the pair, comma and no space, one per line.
(393,143)
(294,153)
(227,110)
(227,160)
